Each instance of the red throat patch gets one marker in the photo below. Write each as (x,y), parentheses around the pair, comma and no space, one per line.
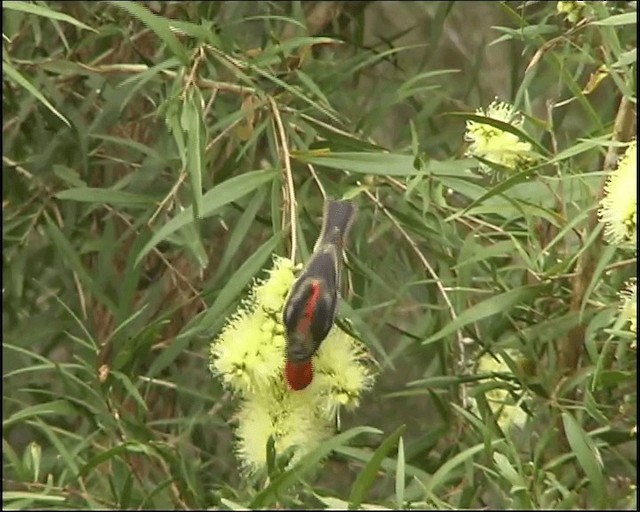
(299,376)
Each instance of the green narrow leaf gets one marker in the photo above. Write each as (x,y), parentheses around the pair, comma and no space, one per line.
(627,18)
(69,176)
(239,280)
(604,259)
(340,140)
(133,391)
(57,407)
(124,499)
(230,292)
(346,310)
(379,56)
(104,195)
(70,461)
(41,10)
(576,89)
(72,260)
(240,232)
(367,476)
(312,86)
(205,33)
(222,194)
(232,505)
(132,144)
(273,54)
(127,322)
(26,495)
(35,454)
(575,150)
(271,456)
(172,119)
(364,455)
(305,465)
(507,470)
(498,189)
(91,344)
(384,164)
(587,455)
(138,80)
(191,122)
(400,475)
(105,455)
(444,472)
(193,241)
(159,25)
(327,110)
(498,304)
(12,459)
(15,75)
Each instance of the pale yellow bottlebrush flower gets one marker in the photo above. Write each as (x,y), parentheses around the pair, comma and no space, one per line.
(249,357)
(293,422)
(271,293)
(629,306)
(500,400)
(619,206)
(573,11)
(248,352)
(496,145)
(341,372)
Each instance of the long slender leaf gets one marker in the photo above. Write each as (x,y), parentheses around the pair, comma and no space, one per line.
(192,126)
(15,75)
(367,476)
(306,464)
(159,25)
(498,304)
(587,455)
(103,195)
(212,201)
(46,12)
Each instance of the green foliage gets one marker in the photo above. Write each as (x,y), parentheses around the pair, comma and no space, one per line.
(151,153)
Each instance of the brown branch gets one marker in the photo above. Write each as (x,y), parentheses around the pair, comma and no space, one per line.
(290,190)
(202,83)
(54,491)
(571,349)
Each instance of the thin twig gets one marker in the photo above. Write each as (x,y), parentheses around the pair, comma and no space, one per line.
(163,258)
(202,83)
(54,491)
(207,108)
(317,180)
(220,403)
(190,81)
(58,217)
(230,127)
(291,196)
(111,50)
(83,302)
(15,165)
(554,42)
(173,190)
(441,288)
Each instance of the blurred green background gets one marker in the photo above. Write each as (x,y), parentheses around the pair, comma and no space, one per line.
(146,153)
